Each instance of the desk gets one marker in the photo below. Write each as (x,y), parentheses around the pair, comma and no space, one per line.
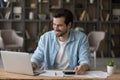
(8,76)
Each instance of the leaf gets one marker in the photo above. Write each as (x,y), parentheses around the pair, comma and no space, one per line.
(111,63)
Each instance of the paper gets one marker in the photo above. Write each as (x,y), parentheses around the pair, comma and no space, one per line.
(52,73)
(89,74)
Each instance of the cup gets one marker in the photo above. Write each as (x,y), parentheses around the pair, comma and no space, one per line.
(91,1)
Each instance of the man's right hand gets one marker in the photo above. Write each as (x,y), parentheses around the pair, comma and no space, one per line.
(34,66)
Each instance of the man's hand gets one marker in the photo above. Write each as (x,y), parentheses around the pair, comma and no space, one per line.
(81,69)
(34,66)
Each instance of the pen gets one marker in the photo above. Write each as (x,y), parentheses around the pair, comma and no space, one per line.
(55,74)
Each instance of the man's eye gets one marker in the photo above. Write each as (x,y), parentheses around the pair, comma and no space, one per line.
(58,25)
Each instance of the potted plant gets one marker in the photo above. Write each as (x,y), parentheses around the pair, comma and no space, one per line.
(110,67)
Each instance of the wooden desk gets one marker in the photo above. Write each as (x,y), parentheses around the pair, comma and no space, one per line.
(8,76)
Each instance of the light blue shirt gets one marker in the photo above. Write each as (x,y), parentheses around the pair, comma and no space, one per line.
(77,49)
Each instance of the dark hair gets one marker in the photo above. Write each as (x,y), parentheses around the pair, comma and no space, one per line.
(67,14)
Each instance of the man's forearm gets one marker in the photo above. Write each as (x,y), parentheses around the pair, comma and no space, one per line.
(86,67)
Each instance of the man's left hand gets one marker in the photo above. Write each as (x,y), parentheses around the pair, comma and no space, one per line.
(81,69)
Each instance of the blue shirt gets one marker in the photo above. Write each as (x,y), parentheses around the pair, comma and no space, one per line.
(77,49)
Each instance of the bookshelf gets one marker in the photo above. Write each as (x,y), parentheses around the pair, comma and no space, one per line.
(111,25)
(31,18)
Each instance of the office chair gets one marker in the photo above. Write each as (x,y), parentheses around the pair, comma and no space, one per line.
(94,39)
(10,40)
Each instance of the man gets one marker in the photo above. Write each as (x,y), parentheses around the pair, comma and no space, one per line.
(62,48)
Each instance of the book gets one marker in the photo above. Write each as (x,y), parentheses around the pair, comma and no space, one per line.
(82,15)
(7,4)
(113,43)
(7,15)
(112,53)
(27,34)
(56,5)
(101,5)
(101,17)
(1,15)
(107,17)
(87,17)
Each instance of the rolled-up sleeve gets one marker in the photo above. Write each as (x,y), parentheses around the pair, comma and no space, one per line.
(84,53)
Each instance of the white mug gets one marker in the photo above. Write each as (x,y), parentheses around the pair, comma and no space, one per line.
(91,1)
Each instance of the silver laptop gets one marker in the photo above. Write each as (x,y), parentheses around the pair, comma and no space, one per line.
(18,62)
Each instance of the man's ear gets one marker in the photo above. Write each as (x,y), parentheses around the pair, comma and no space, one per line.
(70,25)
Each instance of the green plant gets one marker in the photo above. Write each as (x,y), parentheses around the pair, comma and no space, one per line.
(111,63)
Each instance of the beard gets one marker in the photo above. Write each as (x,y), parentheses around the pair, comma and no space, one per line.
(60,33)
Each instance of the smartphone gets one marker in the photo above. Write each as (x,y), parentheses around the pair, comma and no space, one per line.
(69,72)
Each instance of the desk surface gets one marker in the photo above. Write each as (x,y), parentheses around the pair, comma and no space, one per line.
(7,75)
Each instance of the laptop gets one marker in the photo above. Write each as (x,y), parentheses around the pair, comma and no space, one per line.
(18,62)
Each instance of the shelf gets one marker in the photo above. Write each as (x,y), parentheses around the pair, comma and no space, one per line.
(115,47)
(115,4)
(28,20)
(5,20)
(115,35)
(105,22)
(15,20)
(78,21)
(29,8)
(115,22)
(96,16)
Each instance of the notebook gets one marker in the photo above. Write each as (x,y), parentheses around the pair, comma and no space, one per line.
(18,62)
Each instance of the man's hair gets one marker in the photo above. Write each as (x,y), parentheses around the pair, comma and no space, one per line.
(67,14)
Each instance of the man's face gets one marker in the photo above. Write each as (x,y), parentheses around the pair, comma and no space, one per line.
(59,26)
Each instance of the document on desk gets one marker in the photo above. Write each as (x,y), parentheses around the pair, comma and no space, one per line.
(88,74)
(52,73)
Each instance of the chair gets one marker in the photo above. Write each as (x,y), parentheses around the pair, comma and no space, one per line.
(1,41)
(11,41)
(94,39)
